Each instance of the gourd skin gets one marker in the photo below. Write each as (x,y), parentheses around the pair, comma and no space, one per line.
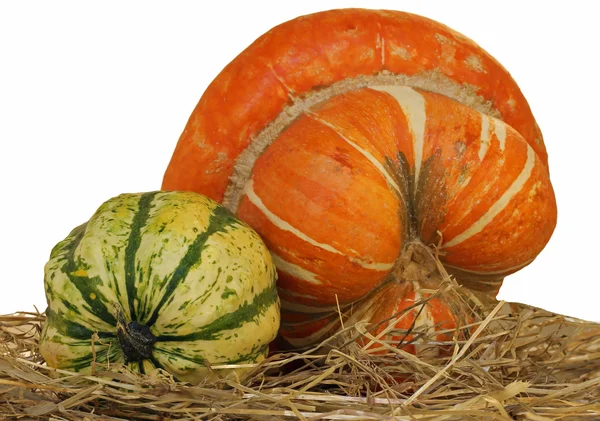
(202,281)
(345,136)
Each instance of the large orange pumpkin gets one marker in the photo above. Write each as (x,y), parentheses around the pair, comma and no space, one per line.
(348,137)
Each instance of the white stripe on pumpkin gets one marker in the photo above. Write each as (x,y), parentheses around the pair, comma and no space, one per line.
(500,204)
(382,51)
(413,107)
(296,271)
(485,136)
(285,226)
(500,131)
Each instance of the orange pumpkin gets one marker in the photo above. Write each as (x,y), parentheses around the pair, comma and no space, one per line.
(347,137)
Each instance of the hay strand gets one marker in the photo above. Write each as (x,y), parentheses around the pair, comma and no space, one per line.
(521,363)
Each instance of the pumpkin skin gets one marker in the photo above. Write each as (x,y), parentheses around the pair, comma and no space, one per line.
(344,137)
(175,271)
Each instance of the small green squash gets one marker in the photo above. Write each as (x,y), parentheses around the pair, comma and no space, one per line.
(168,280)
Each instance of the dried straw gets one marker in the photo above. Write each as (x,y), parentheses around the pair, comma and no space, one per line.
(520,363)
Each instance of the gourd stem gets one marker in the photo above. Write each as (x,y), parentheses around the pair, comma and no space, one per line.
(136,340)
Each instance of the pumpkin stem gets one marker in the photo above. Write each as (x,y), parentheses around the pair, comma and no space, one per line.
(416,263)
(136,340)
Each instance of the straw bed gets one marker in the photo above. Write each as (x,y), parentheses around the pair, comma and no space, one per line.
(520,363)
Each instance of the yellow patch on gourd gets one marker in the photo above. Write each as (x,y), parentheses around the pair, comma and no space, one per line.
(80,272)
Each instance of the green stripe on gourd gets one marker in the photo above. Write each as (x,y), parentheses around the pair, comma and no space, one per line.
(221,221)
(77,272)
(247,312)
(74,352)
(199,283)
(135,238)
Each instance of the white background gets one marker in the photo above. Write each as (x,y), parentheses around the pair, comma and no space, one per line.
(93,97)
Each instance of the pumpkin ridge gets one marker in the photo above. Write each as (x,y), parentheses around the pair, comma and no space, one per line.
(499,205)
(286,226)
(432,81)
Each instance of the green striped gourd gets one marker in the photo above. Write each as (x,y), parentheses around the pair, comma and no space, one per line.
(167,280)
